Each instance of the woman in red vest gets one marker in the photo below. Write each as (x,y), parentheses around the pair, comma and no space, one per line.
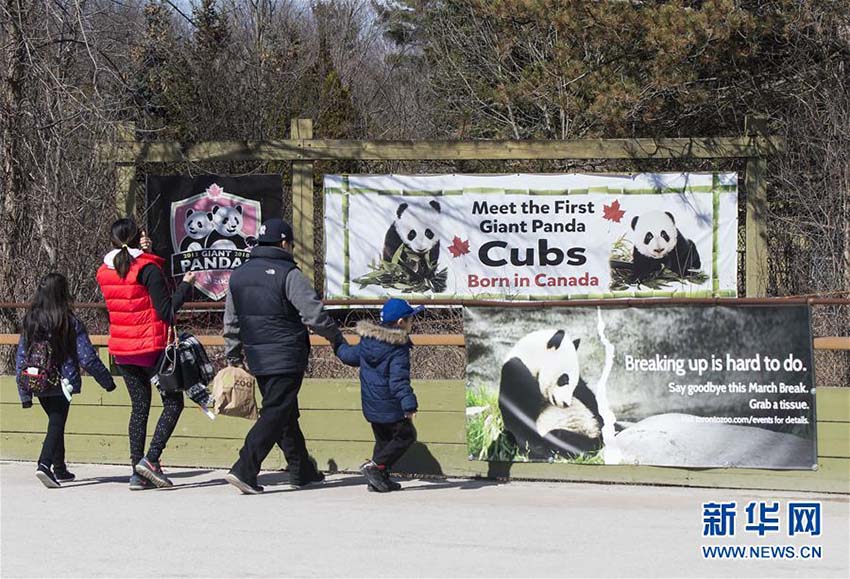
(140,314)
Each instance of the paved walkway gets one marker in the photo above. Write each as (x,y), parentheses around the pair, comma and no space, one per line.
(203,527)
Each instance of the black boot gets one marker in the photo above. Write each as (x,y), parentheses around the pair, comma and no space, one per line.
(391,484)
(304,472)
(302,480)
(375,477)
(247,487)
(62,473)
(45,475)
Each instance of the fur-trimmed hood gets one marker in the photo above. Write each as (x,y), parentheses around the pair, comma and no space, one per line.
(389,335)
(383,356)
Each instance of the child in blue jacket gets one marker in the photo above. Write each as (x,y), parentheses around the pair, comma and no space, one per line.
(387,397)
(50,320)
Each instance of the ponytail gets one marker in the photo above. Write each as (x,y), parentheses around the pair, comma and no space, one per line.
(123,261)
(125,235)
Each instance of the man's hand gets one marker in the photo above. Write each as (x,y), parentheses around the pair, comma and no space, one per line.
(337,341)
(410,415)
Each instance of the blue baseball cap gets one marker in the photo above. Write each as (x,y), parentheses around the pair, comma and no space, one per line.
(396,309)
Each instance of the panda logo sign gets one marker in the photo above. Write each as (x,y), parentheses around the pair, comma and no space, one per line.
(212,234)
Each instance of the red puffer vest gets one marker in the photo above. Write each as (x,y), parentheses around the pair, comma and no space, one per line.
(134,327)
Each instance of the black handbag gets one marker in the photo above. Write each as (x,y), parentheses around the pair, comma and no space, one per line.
(177,369)
(169,378)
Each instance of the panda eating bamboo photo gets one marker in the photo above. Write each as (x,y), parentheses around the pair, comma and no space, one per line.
(659,243)
(547,409)
(409,261)
(414,231)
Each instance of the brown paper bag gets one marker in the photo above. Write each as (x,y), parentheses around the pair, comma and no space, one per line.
(233,391)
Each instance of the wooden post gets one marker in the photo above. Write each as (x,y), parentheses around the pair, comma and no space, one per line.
(126,187)
(756,253)
(756,263)
(303,211)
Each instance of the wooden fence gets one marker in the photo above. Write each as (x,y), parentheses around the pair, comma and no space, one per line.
(340,439)
(302,150)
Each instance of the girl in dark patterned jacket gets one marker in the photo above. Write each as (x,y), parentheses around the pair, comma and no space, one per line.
(50,320)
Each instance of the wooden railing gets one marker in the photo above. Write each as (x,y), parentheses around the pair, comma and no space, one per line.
(822,343)
(473,303)
(418,340)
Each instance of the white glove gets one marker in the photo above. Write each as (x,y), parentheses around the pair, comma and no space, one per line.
(67,389)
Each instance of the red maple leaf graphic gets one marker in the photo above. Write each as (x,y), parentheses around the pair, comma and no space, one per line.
(214,190)
(613,212)
(459,247)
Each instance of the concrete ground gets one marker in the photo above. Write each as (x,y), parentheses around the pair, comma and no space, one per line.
(202,527)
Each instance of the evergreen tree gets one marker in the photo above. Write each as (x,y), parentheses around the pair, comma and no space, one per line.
(211,32)
(209,103)
(158,77)
(328,99)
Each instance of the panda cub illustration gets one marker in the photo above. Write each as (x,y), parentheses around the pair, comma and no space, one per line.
(227,229)
(658,242)
(546,407)
(198,225)
(415,228)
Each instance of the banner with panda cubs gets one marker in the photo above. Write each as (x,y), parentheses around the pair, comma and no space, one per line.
(208,224)
(531,236)
(690,386)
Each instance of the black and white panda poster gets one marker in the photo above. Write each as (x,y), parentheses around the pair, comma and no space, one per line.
(690,386)
(209,224)
(531,236)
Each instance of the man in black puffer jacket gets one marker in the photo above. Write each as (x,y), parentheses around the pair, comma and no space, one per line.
(270,304)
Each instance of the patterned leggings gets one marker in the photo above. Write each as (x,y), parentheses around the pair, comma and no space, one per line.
(138,381)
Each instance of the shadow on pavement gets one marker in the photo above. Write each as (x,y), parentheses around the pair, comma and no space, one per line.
(207,483)
(124,479)
(281,478)
(463,485)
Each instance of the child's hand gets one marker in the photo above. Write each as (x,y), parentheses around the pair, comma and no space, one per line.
(410,415)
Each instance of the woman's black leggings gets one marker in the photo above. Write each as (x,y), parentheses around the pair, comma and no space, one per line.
(138,379)
(53,449)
